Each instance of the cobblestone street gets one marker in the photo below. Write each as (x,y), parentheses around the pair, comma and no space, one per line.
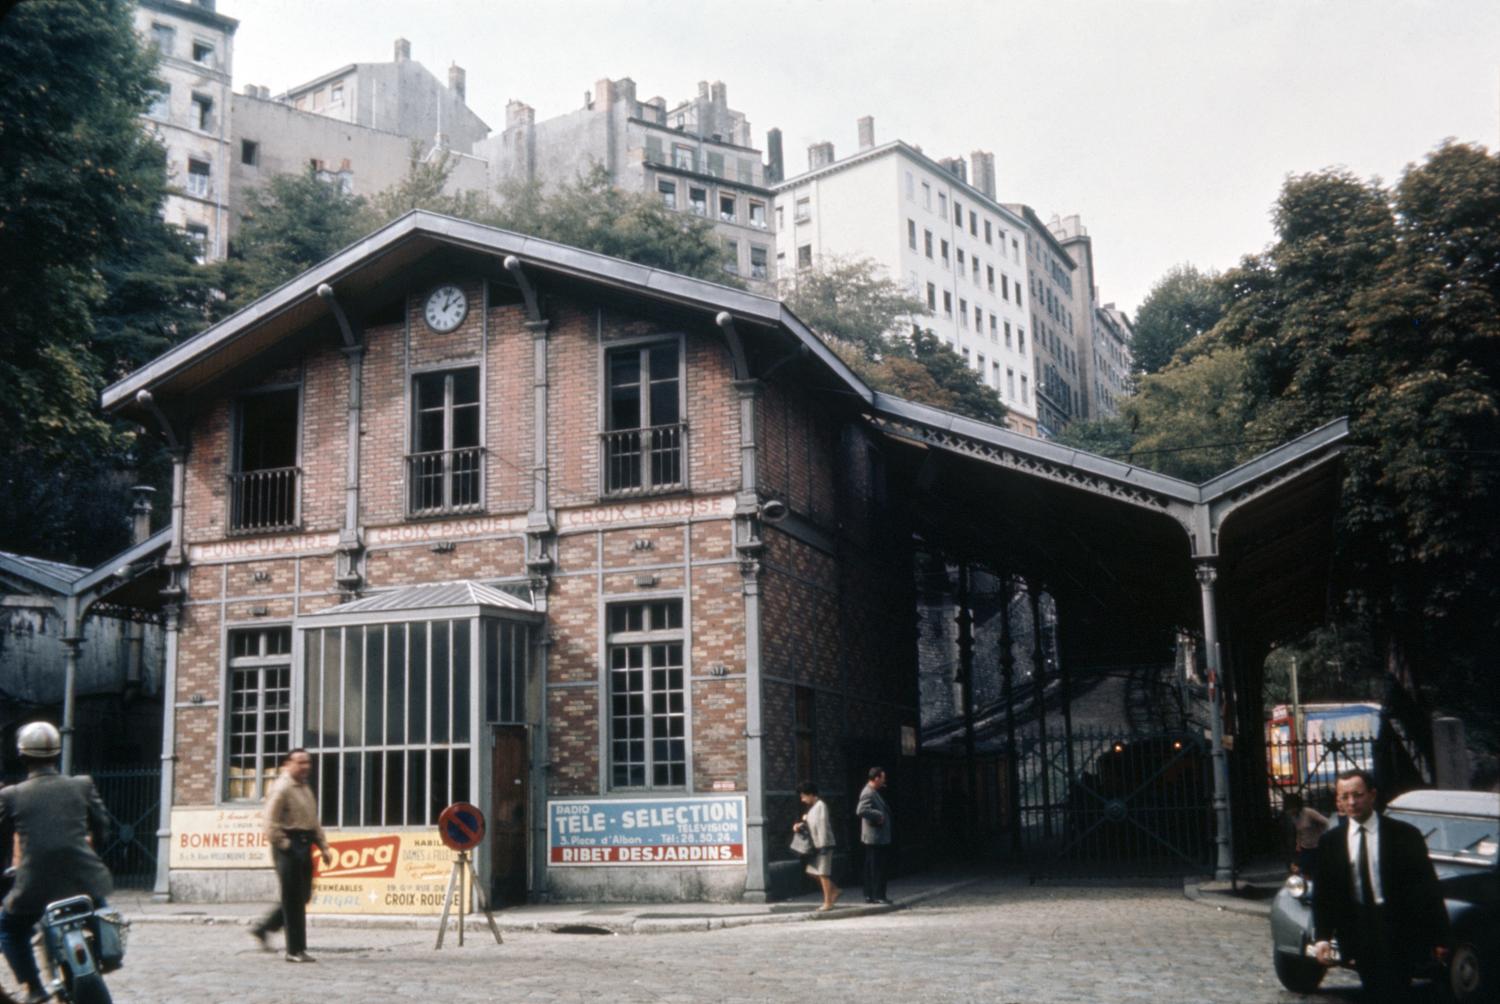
(999,941)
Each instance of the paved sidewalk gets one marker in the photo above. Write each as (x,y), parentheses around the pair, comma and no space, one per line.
(612,918)
(1251,892)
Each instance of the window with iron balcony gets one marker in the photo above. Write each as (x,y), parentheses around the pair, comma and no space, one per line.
(445,470)
(265,480)
(644,441)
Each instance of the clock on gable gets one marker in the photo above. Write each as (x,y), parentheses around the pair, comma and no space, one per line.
(446,308)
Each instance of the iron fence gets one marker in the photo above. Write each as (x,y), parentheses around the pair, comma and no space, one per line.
(263,500)
(642,461)
(1309,766)
(133,798)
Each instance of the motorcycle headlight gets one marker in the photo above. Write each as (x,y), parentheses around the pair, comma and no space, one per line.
(1296,885)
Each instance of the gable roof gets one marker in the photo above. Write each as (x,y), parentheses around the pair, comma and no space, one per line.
(291,307)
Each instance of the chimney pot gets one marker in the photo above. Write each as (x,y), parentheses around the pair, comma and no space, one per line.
(403,50)
(866,132)
(819,155)
(457,80)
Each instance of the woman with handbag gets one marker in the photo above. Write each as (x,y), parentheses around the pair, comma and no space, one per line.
(812,837)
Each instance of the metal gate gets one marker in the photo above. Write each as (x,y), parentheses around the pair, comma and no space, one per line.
(133,797)
(1097,804)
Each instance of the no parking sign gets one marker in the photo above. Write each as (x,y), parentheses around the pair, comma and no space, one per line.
(461,826)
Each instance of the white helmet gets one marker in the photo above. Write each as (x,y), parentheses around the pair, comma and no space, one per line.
(39,740)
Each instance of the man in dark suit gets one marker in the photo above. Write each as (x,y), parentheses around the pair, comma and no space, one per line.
(1376,892)
(55,818)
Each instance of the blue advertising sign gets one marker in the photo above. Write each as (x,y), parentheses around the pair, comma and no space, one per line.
(692,830)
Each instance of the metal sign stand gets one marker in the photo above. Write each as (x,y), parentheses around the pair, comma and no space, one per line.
(463,871)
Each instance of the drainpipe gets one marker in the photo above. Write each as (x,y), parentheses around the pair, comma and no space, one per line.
(70,639)
(173,593)
(140,530)
(748,513)
(350,546)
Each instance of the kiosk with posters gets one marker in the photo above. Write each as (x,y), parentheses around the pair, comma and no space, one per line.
(461,828)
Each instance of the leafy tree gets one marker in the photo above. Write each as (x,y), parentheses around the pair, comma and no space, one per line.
(850,299)
(92,282)
(1189,419)
(1107,437)
(424,187)
(1182,305)
(1336,662)
(288,225)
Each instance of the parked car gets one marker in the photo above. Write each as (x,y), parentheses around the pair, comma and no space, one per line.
(1463,840)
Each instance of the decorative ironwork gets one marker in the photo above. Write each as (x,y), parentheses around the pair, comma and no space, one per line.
(445,481)
(643,461)
(264,500)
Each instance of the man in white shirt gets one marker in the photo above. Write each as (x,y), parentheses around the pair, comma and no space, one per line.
(1376,892)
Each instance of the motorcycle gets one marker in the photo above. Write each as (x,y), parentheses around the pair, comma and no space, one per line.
(79,945)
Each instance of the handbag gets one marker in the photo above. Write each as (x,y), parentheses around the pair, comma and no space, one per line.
(802,844)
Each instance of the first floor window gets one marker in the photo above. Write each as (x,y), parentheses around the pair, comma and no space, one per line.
(444,470)
(668,192)
(199,178)
(758,264)
(647,696)
(198,234)
(258,726)
(643,441)
(804,256)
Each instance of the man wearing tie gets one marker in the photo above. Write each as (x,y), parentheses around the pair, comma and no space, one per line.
(1376,892)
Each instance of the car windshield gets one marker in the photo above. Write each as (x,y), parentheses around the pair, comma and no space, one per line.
(1469,838)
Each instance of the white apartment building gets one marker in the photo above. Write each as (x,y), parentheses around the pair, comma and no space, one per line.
(190,115)
(1112,360)
(954,247)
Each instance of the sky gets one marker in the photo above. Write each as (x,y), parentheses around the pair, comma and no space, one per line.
(1168,125)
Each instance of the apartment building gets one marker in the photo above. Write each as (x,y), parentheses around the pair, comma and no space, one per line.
(190,114)
(1050,282)
(696,157)
(953,246)
(1074,237)
(1112,360)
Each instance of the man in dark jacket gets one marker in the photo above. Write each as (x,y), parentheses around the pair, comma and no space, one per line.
(1377,892)
(54,818)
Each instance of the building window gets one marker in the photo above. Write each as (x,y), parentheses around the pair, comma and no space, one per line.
(947,303)
(994,329)
(445,470)
(732,257)
(249,152)
(989,277)
(684,158)
(164,37)
(336,93)
(1021,340)
(387,720)
(803,731)
(263,488)
(804,256)
(746,170)
(1004,286)
(910,187)
(973,224)
(780,217)
(979,319)
(995,376)
(653,150)
(927,242)
(758,215)
(1024,398)
(203,53)
(976,271)
(727,211)
(963,312)
(911,234)
(926,195)
(1007,334)
(1010,383)
(931,297)
(958,214)
(943,253)
(317,99)
(161,101)
(988,233)
(644,439)
(647,695)
(668,192)
(258,727)
(697,201)
(804,210)
(198,234)
(716,164)
(943,204)
(959,256)
(979,365)
(203,112)
(758,263)
(1018,294)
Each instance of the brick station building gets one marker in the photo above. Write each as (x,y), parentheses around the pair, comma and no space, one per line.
(474,517)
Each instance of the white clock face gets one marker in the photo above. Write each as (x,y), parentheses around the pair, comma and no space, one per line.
(446,307)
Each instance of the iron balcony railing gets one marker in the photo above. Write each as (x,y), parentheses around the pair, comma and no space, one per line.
(264,500)
(643,461)
(445,481)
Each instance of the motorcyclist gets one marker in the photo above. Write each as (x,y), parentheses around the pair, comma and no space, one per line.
(54,817)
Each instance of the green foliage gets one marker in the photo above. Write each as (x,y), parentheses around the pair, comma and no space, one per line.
(591,213)
(92,282)
(424,188)
(1184,304)
(288,225)
(854,306)
(1333,663)
(850,299)
(1106,437)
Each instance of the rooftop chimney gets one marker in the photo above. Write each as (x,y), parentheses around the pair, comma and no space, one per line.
(866,132)
(519,113)
(955,166)
(717,93)
(983,164)
(819,155)
(775,169)
(456,78)
(403,50)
